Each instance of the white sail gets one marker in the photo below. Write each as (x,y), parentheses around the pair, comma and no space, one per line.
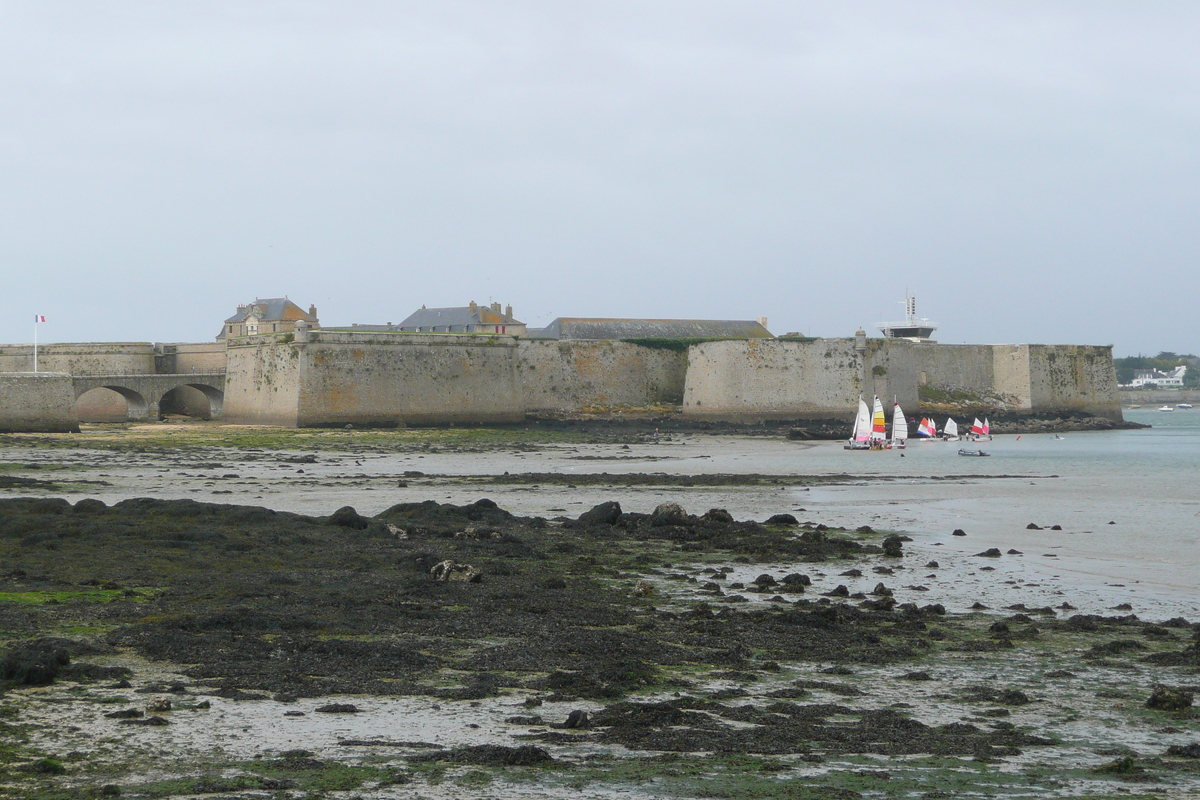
(899,425)
(951,428)
(862,423)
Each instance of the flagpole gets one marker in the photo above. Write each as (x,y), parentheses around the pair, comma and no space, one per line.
(35,324)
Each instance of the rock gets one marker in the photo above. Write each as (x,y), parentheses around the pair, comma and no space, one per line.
(765,580)
(338,708)
(347,517)
(1184,750)
(782,519)
(717,515)
(1012,552)
(643,589)
(883,570)
(126,713)
(1166,698)
(881,591)
(153,722)
(932,565)
(1033,526)
(668,514)
(978,606)
(916,676)
(294,714)
(934,608)
(1056,527)
(795,579)
(607,513)
(577,719)
(453,571)
(893,546)
(959,532)
(991,552)
(839,591)
(851,573)
(159,705)
(864,529)
(1060,673)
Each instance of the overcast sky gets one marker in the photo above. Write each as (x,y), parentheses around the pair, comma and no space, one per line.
(1029,170)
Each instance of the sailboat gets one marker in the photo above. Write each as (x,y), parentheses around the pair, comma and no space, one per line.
(950,430)
(899,438)
(987,429)
(878,426)
(860,439)
(927,431)
(977,431)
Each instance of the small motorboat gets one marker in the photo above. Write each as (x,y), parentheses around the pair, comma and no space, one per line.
(1166,408)
(973,453)
(1184,406)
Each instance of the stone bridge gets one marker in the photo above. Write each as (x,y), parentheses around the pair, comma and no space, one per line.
(144,392)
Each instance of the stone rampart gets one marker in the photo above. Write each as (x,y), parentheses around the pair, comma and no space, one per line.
(570,376)
(42,402)
(80,357)
(1070,377)
(772,379)
(339,378)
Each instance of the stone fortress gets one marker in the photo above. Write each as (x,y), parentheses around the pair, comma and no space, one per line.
(273,364)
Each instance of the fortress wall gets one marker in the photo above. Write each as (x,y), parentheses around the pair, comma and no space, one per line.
(1010,366)
(891,372)
(44,402)
(772,379)
(199,357)
(961,367)
(80,357)
(262,384)
(1070,377)
(414,379)
(568,376)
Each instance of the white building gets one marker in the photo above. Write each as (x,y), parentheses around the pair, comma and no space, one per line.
(1163,380)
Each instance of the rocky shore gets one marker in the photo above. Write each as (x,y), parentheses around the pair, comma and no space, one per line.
(614,650)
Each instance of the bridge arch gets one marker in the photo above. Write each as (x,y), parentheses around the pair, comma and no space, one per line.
(192,399)
(98,410)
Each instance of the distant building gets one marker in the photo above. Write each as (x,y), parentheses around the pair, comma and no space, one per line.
(269,315)
(472,318)
(1163,380)
(611,328)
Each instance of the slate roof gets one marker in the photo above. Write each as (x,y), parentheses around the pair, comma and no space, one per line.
(460,316)
(610,328)
(277,308)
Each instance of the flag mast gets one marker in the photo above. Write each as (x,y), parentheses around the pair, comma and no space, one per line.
(35,326)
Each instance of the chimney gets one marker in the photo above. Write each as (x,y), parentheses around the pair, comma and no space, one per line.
(496,307)
(474,308)
(508,317)
(312,311)
(762,321)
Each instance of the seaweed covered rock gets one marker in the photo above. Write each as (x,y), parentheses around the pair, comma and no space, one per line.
(668,514)
(347,517)
(1167,698)
(34,663)
(607,513)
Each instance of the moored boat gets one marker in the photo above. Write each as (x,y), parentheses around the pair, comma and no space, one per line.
(1166,408)
(973,453)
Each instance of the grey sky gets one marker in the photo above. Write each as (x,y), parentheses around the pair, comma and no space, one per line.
(1031,171)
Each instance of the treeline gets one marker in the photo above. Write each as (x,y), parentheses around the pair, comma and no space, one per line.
(1163,362)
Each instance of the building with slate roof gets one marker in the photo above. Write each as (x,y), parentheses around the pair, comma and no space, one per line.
(267,315)
(610,328)
(472,318)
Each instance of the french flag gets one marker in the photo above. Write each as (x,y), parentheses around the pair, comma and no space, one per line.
(38,318)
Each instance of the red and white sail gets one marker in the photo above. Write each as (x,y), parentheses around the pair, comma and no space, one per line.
(977,428)
(926,428)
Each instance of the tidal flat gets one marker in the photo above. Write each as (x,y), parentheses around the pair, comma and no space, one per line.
(430,646)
